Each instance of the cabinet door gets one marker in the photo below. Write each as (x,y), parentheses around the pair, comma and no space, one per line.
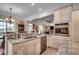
(62,15)
(19,49)
(37,46)
(29,47)
(73,48)
(19,52)
(50,41)
(57,15)
(66,13)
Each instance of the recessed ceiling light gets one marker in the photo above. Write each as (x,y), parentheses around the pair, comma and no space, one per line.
(33,4)
(40,9)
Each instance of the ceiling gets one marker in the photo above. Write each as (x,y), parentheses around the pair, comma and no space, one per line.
(28,11)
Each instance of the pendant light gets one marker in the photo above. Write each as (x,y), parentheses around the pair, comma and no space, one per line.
(10,18)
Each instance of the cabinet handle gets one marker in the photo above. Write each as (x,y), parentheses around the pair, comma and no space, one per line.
(15,52)
(34,44)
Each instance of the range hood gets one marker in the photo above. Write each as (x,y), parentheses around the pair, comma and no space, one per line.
(42,23)
(46,20)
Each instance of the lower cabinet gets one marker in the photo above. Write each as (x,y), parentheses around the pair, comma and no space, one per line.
(19,52)
(73,48)
(50,41)
(57,41)
(31,47)
(16,49)
(37,47)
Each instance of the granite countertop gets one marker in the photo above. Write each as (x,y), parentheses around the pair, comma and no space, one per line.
(13,41)
(20,40)
(59,36)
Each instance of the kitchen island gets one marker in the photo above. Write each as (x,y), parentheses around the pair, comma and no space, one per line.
(27,46)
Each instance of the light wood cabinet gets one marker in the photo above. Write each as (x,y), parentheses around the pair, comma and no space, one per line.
(57,16)
(16,49)
(37,47)
(60,43)
(66,13)
(51,41)
(57,41)
(31,47)
(73,48)
(62,14)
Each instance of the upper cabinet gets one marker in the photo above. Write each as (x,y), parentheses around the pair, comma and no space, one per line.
(75,6)
(62,14)
(57,16)
(66,14)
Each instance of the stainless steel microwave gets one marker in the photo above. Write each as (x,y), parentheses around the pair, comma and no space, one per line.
(62,29)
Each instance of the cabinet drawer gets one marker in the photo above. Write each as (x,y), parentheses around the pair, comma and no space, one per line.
(18,46)
(19,51)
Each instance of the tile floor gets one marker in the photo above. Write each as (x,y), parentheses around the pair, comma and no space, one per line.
(50,51)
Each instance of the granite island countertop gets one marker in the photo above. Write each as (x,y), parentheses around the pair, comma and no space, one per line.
(13,41)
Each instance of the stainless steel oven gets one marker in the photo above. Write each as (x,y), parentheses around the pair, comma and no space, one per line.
(62,29)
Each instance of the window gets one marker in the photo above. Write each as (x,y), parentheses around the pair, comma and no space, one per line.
(30,26)
(4,26)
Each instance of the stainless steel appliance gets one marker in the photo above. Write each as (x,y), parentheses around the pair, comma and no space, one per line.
(62,29)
